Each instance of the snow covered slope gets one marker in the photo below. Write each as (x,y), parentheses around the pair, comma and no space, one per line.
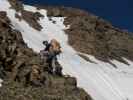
(100,80)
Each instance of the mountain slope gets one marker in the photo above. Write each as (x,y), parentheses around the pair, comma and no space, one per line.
(94,36)
(97,77)
(25,76)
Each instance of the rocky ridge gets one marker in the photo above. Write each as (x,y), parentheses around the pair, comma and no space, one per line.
(26,76)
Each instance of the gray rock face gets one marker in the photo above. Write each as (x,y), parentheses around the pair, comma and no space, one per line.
(26,76)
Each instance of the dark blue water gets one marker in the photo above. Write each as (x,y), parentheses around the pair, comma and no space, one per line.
(118,12)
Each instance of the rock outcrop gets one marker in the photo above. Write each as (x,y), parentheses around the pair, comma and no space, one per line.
(99,38)
(26,76)
(31,18)
(62,11)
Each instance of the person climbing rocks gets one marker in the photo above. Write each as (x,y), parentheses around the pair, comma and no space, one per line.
(45,51)
(47,45)
(51,51)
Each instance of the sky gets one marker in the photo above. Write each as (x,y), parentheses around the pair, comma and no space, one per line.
(118,12)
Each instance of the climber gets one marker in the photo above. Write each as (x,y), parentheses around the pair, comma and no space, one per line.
(51,50)
(47,45)
(45,51)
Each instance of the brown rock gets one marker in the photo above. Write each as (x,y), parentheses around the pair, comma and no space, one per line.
(32,19)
